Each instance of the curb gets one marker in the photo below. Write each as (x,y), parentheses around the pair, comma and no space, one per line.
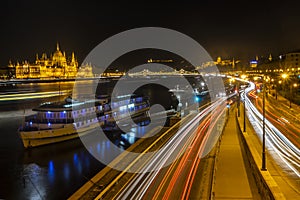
(267,186)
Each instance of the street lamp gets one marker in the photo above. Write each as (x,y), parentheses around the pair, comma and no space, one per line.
(232,80)
(244,109)
(238,100)
(243,76)
(291,93)
(265,86)
(284,76)
(274,86)
(263,165)
(279,82)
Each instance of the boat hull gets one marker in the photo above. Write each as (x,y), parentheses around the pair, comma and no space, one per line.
(43,137)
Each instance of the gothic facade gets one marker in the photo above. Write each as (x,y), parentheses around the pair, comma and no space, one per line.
(57,65)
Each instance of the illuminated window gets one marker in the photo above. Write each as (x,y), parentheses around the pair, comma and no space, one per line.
(122,108)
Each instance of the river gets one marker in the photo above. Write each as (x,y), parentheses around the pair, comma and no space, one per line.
(58,170)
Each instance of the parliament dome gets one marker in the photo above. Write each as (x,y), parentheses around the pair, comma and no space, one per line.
(58,56)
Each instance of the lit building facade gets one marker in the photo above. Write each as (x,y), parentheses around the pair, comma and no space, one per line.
(285,63)
(228,62)
(85,71)
(54,66)
(291,61)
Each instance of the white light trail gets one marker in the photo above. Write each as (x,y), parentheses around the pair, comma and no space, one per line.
(275,140)
(141,182)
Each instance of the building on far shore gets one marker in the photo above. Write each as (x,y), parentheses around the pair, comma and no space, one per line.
(85,71)
(291,61)
(57,65)
(288,63)
(227,64)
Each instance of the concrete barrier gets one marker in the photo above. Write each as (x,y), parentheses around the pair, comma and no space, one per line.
(267,186)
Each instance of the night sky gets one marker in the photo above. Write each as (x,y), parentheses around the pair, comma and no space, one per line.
(224,28)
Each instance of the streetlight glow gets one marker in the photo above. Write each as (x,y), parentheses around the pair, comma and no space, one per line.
(243,76)
(284,76)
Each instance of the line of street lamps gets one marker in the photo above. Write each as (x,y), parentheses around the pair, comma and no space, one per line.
(295,85)
(266,80)
(284,77)
(263,168)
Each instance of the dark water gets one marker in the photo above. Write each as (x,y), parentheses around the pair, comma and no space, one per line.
(58,170)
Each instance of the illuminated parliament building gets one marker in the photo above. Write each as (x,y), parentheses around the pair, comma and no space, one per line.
(57,65)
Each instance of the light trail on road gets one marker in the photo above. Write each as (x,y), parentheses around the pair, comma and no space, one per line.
(179,170)
(275,140)
(183,141)
(282,124)
(194,155)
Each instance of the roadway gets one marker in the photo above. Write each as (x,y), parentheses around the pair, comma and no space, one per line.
(280,116)
(183,148)
(170,172)
(283,161)
(177,179)
(282,138)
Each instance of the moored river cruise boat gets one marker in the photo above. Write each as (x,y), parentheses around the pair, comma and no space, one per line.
(61,121)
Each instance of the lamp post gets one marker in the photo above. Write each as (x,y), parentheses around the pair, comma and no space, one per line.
(238,99)
(266,86)
(238,103)
(274,86)
(291,93)
(244,77)
(263,165)
(285,76)
(244,109)
(291,88)
(276,94)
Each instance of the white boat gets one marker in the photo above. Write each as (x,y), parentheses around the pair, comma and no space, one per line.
(61,121)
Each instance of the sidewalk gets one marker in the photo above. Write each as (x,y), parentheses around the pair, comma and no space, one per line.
(231,180)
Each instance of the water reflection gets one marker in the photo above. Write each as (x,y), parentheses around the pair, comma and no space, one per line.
(67,165)
(51,172)
(66,171)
